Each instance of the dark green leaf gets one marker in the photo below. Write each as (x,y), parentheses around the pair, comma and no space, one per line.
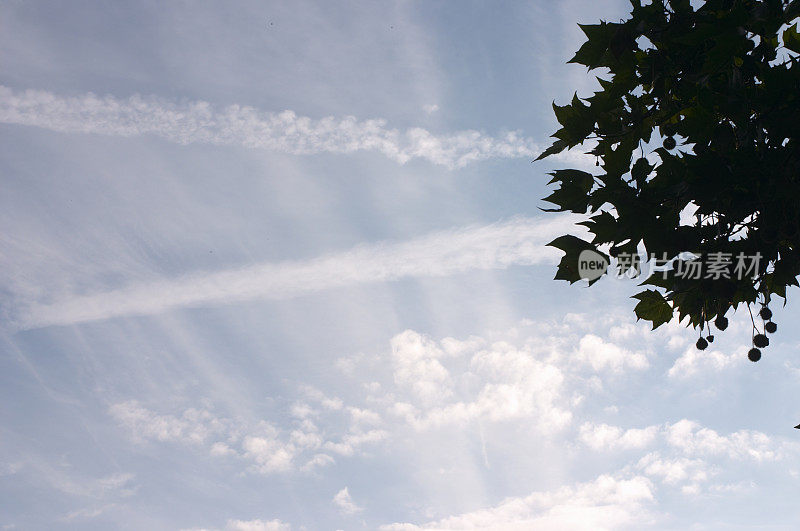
(791,39)
(572,247)
(653,307)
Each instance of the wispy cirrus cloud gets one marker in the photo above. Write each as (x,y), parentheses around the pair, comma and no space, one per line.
(520,241)
(239,125)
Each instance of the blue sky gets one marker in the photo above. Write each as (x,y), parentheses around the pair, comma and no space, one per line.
(282,266)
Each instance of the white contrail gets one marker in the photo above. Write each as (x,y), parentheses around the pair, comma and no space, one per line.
(286,132)
(520,241)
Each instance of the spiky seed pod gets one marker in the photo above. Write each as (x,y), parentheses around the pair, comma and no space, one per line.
(710,339)
(771,327)
(754,355)
(760,340)
(765,313)
(701,344)
(721,322)
(669,143)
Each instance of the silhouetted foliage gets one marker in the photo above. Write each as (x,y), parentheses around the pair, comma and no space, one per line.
(718,90)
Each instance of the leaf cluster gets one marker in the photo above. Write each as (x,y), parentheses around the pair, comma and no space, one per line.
(723,82)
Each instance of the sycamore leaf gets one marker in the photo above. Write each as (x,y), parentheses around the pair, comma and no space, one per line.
(592,51)
(603,226)
(568,267)
(641,169)
(652,307)
(791,39)
(573,195)
(557,147)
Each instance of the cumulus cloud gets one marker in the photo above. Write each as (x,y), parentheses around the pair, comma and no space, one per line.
(348,444)
(531,384)
(345,503)
(417,367)
(694,362)
(688,446)
(691,437)
(266,448)
(269,453)
(604,355)
(687,437)
(605,437)
(431,384)
(675,470)
(257,525)
(250,525)
(507,383)
(606,503)
(541,376)
(286,132)
(193,426)
(520,241)
(687,454)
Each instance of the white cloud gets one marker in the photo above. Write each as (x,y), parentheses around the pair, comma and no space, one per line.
(687,455)
(318,461)
(520,241)
(193,426)
(416,367)
(603,355)
(694,362)
(456,347)
(351,441)
(345,503)
(484,388)
(314,394)
(269,454)
(88,513)
(257,525)
(605,503)
(689,444)
(221,449)
(362,416)
(692,438)
(266,448)
(675,470)
(430,109)
(199,122)
(543,377)
(605,437)
(501,383)
(249,525)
